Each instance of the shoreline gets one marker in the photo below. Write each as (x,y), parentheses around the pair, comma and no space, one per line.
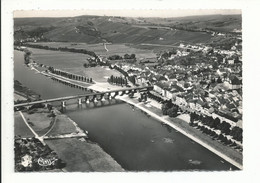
(182,130)
(88,156)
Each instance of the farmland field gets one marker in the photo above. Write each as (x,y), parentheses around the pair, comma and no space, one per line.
(99,73)
(71,62)
(118,49)
(59,59)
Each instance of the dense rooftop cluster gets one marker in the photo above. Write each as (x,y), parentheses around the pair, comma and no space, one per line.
(198,77)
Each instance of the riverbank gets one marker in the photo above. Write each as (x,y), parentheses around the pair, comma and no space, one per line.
(227,153)
(22,93)
(62,135)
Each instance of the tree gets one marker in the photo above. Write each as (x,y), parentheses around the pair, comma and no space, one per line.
(219,80)
(132,79)
(126,56)
(224,127)
(172,112)
(121,81)
(27,57)
(192,118)
(216,122)
(164,109)
(112,79)
(169,103)
(237,133)
(132,56)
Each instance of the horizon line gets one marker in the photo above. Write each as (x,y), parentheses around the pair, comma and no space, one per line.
(127,16)
(123,13)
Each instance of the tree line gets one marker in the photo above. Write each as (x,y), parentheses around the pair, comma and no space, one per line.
(216,124)
(95,62)
(117,80)
(70,75)
(118,57)
(83,51)
(130,78)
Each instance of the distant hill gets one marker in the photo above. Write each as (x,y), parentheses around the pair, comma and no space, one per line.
(97,29)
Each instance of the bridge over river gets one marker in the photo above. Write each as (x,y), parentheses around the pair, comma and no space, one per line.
(89,96)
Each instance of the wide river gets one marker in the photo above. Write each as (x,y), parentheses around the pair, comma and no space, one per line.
(135,140)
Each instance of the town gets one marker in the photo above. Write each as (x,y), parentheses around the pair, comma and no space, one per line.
(188,82)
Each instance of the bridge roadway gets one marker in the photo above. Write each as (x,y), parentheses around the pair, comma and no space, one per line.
(146,88)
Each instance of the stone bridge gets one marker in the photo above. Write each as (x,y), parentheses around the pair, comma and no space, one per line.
(89,97)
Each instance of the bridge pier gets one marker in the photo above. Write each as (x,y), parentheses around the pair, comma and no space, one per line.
(131,94)
(87,99)
(128,92)
(63,104)
(79,101)
(93,98)
(102,96)
(116,93)
(99,98)
(122,93)
(106,97)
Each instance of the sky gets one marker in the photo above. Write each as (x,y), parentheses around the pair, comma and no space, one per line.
(123,13)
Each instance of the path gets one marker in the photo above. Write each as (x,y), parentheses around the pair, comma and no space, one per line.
(35,134)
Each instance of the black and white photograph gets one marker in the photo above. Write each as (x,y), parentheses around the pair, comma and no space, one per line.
(127,90)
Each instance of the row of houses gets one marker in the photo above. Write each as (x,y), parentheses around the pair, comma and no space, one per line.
(229,104)
(199,86)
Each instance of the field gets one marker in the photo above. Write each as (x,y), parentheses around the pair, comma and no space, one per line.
(20,127)
(99,74)
(99,49)
(58,59)
(72,62)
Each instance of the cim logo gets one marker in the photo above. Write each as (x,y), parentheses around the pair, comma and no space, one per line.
(46,162)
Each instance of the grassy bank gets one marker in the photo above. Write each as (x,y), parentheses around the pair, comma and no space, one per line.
(66,143)
(24,93)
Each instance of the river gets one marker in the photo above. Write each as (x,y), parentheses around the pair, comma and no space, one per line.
(136,141)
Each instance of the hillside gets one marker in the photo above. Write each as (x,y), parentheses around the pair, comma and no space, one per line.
(97,29)
(221,23)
